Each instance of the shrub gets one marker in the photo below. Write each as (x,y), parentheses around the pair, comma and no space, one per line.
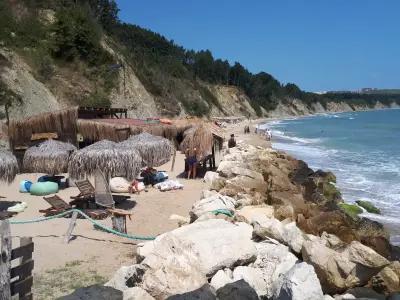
(97,99)
(352,210)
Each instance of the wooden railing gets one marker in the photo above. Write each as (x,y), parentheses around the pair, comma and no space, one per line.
(16,266)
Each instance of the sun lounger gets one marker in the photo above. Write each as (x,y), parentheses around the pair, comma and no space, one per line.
(58,205)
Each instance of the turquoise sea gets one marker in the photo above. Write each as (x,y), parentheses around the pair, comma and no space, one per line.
(361,148)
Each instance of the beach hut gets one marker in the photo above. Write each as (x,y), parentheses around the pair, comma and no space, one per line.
(205,139)
(50,157)
(8,166)
(154,150)
(108,157)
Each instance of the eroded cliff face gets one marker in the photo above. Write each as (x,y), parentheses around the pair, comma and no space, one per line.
(18,76)
(295,107)
(68,86)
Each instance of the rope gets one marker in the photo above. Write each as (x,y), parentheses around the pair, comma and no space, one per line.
(223,212)
(105,228)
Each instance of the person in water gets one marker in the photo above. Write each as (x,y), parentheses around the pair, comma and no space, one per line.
(232,141)
(191,159)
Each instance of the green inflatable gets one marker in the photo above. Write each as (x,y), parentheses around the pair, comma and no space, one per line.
(44,188)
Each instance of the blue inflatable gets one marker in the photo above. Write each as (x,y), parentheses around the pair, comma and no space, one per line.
(25,186)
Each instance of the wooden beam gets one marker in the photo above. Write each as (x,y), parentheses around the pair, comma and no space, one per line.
(5,260)
(71,227)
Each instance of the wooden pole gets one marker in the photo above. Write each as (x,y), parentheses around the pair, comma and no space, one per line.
(71,227)
(173,160)
(5,260)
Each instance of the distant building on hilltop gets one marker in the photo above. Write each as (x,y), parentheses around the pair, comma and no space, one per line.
(368,90)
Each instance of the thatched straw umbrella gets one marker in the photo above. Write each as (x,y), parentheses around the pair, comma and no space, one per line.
(107,157)
(8,166)
(50,157)
(199,137)
(154,150)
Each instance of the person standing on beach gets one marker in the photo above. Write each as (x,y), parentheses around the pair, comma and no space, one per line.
(191,159)
(232,141)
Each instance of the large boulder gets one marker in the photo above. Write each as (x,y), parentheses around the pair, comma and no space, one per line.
(225,167)
(203,293)
(210,177)
(246,184)
(273,258)
(238,290)
(221,278)
(299,283)
(388,280)
(173,267)
(210,204)
(220,244)
(137,293)
(247,213)
(339,271)
(288,234)
(127,277)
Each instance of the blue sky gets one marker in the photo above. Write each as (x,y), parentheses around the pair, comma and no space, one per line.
(318,44)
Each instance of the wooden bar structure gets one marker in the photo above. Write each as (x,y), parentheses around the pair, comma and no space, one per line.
(15,280)
(102,112)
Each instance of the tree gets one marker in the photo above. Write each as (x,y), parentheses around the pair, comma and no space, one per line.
(7,99)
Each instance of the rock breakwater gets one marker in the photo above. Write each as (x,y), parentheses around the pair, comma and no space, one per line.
(288,238)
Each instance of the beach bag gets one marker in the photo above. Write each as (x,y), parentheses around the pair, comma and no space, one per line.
(44,188)
(119,185)
(25,186)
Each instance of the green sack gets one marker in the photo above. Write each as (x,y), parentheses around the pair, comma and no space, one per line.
(44,188)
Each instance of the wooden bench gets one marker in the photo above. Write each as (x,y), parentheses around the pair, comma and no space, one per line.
(58,205)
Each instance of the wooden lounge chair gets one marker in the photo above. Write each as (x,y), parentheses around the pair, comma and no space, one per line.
(58,205)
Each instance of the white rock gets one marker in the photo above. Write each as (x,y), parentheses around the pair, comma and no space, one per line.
(299,283)
(221,278)
(274,258)
(225,167)
(293,237)
(288,234)
(173,267)
(212,203)
(210,176)
(125,274)
(265,227)
(207,193)
(327,297)
(136,293)
(254,277)
(247,213)
(345,297)
(220,244)
(365,256)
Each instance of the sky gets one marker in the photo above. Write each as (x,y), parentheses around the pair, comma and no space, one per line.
(320,45)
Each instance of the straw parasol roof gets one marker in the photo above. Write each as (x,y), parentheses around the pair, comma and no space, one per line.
(107,157)
(199,137)
(154,150)
(50,157)
(8,166)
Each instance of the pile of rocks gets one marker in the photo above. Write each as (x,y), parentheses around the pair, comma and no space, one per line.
(254,235)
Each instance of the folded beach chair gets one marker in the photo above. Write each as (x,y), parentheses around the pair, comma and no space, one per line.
(102,194)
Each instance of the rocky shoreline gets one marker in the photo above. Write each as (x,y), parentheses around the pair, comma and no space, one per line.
(268,227)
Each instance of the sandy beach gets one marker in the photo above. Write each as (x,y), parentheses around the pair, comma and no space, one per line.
(92,249)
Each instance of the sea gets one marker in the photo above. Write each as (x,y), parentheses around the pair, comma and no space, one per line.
(361,148)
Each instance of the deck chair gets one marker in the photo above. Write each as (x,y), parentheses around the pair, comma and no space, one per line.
(58,205)
(102,193)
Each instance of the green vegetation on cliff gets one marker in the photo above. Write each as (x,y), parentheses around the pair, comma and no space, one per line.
(55,34)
